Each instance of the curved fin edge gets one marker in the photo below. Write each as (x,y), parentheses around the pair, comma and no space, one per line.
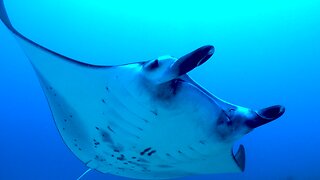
(240,157)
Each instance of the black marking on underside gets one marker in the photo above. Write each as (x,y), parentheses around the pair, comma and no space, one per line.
(99,158)
(144,151)
(96,143)
(103,101)
(154,112)
(121,157)
(116,150)
(106,137)
(151,152)
(135,163)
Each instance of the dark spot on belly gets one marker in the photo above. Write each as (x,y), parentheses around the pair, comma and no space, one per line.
(99,158)
(97,128)
(121,157)
(154,112)
(103,101)
(116,150)
(106,137)
(151,152)
(144,151)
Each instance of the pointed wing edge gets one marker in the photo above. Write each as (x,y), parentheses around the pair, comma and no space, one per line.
(5,19)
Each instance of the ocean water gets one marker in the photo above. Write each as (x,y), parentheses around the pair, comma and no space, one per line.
(267,53)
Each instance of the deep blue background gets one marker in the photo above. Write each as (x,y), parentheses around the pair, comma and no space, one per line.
(265,55)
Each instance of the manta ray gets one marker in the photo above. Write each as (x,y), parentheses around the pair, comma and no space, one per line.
(143,120)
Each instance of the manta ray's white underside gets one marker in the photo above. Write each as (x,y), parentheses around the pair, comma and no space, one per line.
(116,120)
(109,121)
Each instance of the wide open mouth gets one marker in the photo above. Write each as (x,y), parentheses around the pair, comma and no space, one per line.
(272,112)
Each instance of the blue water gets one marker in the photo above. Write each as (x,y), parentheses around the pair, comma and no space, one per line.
(267,53)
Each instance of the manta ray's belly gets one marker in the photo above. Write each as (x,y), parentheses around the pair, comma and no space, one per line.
(120,129)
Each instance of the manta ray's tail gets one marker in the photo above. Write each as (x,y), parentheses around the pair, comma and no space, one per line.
(88,170)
